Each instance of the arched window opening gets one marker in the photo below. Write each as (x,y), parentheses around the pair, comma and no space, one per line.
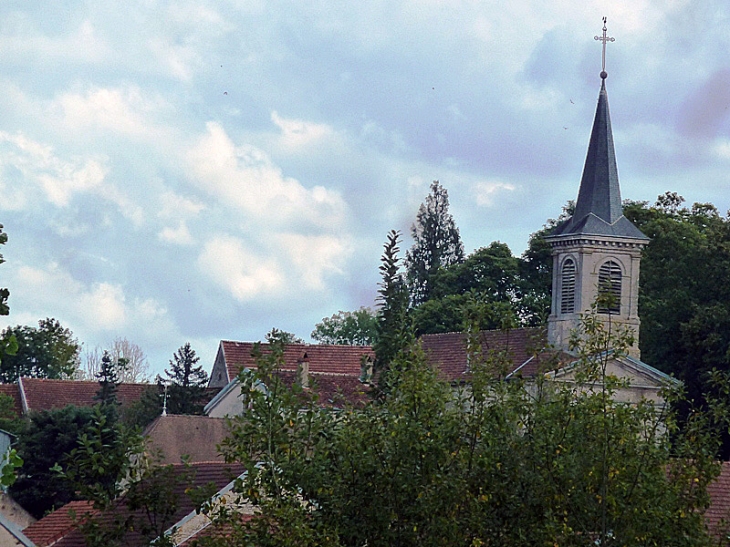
(567,287)
(609,288)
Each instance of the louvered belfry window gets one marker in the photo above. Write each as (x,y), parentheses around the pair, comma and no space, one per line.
(567,290)
(609,288)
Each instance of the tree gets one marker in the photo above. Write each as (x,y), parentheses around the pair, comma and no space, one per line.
(10,421)
(4,293)
(497,462)
(278,335)
(186,382)
(436,243)
(101,458)
(48,351)
(684,301)
(137,367)
(357,328)
(394,329)
(109,376)
(139,414)
(45,440)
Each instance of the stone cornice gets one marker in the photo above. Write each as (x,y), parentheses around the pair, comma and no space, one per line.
(570,241)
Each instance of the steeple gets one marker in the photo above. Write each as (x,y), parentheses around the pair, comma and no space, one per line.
(598,210)
(598,250)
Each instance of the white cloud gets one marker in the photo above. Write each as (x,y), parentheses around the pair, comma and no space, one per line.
(246,276)
(67,180)
(97,307)
(119,110)
(486,192)
(246,178)
(313,259)
(59,179)
(84,43)
(298,133)
(174,206)
(179,235)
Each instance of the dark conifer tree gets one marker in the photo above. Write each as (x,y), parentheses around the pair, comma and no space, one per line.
(109,379)
(186,382)
(394,332)
(436,243)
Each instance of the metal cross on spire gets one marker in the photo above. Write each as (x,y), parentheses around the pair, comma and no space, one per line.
(604,39)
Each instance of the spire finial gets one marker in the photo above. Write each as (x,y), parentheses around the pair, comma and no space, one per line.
(164,403)
(604,39)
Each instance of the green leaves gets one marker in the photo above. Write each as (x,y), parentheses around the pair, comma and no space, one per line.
(436,243)
(48,351)
(359,328)
(489,461)
(10,466)
(186,380)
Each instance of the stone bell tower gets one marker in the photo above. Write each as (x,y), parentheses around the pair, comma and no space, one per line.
(598,250)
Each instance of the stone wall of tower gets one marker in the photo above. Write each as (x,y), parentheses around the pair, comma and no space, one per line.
(589,253)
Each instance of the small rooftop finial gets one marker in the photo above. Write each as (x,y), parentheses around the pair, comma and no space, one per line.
(604,39)
(164,403)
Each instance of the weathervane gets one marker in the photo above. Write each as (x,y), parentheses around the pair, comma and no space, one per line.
(604,39)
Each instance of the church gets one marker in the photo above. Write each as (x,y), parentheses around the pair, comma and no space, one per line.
(596,261)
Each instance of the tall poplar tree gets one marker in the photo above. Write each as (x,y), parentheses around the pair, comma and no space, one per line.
(436,243)
(394,332)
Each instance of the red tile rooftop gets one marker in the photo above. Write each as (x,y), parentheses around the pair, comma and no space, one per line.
(43,394)
(194,475)
(57,524)
(523,349)
(12,390)
(322,358)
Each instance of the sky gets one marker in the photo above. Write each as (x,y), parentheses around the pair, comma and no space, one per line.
(192,171)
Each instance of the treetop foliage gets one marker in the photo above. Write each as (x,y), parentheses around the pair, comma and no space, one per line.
(186,382)
(436,243)
(45,440)
(47,351)
(278,335)
(357,328)
(494,462)
(394,328)
(109,377)
(684,298)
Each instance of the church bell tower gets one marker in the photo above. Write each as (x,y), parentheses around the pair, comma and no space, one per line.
(598,250)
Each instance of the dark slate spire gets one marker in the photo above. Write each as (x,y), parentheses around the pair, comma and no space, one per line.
(598,210)
(599,190)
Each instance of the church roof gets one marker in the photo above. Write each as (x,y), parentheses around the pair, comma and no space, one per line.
(523,350)
(598,210)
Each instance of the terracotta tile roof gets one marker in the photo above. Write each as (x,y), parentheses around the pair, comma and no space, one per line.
(57,524)
(213,530)
(43,394)
(12,390)
(522,347)
(197,474)
(717,515)
(322,358)
(334,390)
(175,436)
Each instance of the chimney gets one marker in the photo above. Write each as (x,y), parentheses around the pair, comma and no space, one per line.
(303,371)
(366,369)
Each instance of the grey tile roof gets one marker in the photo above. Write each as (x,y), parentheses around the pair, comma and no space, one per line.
(598,210)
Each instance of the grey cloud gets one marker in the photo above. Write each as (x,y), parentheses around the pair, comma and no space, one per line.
(705,111)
